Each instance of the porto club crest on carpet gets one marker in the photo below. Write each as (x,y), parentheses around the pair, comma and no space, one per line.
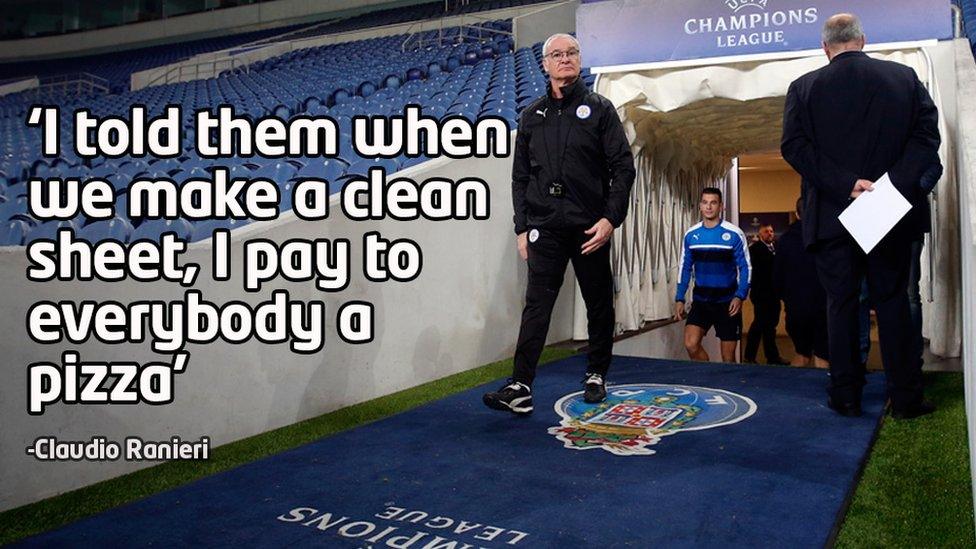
(636,416)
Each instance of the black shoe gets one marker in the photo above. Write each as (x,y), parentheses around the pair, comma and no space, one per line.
(923,408)
(847,409)
(594,388)
(514,397)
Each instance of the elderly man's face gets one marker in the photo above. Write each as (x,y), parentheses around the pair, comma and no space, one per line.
(562,61)
(766,234)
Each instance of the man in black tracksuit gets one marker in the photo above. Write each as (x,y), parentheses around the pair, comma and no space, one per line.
(571,181)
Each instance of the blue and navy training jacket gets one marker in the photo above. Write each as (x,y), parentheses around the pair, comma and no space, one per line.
(718,258)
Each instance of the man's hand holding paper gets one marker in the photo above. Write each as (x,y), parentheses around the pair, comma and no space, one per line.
(876,209)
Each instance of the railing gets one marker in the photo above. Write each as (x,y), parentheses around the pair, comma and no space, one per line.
(68,84)
(286,36)
(189,68)
(475,32)
(192,70)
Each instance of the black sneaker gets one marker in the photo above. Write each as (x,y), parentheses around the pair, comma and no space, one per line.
(515,397)
(594,388)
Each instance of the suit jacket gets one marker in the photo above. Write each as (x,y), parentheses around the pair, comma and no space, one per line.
(856,118)
(762,259)
(920,216)
(795,275)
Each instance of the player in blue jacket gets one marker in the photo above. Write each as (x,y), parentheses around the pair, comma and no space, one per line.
(716,254)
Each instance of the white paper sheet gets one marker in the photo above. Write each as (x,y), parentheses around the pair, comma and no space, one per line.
(873,214)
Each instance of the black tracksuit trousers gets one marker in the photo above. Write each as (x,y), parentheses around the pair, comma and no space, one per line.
(548,256)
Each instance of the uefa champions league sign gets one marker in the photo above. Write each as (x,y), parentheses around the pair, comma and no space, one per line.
(651,31)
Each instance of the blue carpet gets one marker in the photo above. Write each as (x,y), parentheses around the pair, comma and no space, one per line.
(454,474)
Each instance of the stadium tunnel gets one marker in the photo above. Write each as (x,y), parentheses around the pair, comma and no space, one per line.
(689,124)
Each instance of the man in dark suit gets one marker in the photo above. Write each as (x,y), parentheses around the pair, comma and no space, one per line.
(796,282)
(844,126)
(921,220)
(765,303)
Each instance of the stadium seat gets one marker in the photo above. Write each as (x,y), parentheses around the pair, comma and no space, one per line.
(361,167)
(203,230)
(279,171)
(14,206)
(154,229)
(323,169)
(116,228)
(13,232)
(49,230)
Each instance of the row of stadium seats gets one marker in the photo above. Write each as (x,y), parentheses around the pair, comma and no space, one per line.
(392,16)
(335,80)
(117,67)
(118,228)
(330,80)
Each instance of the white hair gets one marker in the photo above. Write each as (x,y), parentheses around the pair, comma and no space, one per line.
(549,41)
(841,29)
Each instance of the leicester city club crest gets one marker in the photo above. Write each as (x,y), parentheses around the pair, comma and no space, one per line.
(639,415)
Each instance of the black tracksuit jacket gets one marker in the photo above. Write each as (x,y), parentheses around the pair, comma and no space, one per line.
(579,142)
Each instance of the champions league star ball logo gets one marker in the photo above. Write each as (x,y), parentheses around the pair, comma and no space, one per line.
(736,5)
(639,415)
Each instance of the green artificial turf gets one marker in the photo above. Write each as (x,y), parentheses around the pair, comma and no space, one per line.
(916,490)
(59,510)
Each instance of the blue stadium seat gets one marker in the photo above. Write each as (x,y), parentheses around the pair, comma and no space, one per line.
(240,170)
(17,189)
(283,112)
(13,232)
(203,230)
(104,170)
(133,168)
(81,172)
(329,169)
(192,163)
(279,171)
(119,182)
(312,103)
(49,229)
(14,206)
(153,229)
(361,167)
(169,165)
(116,228)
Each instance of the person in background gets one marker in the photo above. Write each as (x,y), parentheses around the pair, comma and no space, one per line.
(846,125)
(765,303)
(714,253)
(796,283)
(920,217)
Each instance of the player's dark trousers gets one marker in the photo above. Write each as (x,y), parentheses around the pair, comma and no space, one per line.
(841,264)
(763,328)
(548,257)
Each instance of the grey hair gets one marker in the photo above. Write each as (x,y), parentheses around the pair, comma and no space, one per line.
(545,47)
(842,28)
